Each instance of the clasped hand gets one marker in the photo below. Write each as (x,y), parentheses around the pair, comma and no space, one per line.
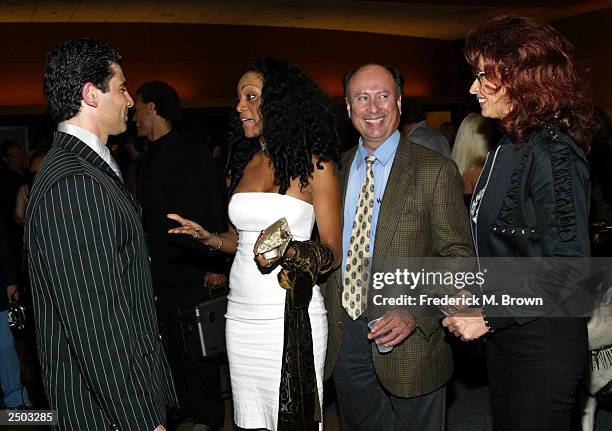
(468,324)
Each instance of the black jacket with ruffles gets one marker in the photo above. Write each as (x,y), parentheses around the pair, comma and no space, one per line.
(531,200)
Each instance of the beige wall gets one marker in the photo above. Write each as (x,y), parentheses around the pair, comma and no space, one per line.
(204,62)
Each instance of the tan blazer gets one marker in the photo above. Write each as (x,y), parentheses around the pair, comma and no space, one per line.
(422,214)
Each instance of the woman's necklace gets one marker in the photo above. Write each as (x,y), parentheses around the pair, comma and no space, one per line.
(477,199)
(262,143)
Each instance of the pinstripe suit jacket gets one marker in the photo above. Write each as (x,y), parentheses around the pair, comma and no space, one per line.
(101,357)
(422,214)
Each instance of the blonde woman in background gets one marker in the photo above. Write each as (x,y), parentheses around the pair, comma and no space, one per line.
(470,150)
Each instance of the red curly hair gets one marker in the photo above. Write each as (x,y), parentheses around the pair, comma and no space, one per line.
(534,63)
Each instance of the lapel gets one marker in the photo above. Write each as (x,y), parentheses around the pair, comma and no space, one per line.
(73,144)
(399,183)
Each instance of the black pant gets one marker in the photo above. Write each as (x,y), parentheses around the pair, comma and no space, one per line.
(534,372)
(364,405)
(197,381)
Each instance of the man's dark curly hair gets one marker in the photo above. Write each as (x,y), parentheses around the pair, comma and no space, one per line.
(72,64)
(165,97)
(298,123)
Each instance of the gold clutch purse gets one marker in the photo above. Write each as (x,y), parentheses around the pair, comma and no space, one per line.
(274,240)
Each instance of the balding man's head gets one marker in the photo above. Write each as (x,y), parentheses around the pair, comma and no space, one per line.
(393,71)
(373,102)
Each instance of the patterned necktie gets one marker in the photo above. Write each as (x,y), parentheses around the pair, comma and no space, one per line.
(356,271)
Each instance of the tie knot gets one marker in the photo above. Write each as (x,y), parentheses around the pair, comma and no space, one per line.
(370,159)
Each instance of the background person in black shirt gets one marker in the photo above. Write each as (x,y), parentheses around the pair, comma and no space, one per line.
(179,175)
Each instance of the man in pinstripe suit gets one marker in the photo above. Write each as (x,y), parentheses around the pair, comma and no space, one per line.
(416,210)
(101,358)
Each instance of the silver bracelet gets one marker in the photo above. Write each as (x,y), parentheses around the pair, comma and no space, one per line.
(217,248)
(486,322)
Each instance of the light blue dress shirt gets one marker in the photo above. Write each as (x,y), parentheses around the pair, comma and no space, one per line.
(385,154)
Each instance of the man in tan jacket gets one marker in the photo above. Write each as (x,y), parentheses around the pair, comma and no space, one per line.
(400,200)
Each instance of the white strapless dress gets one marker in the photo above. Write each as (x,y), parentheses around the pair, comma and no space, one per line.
(255,310)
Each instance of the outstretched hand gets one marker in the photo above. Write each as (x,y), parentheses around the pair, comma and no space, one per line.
(188,227)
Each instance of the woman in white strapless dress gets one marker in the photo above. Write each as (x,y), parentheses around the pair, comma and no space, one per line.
(281,164)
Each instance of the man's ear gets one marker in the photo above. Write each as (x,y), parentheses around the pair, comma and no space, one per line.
(348,107)
(89,94)
(399,103)
(151,108)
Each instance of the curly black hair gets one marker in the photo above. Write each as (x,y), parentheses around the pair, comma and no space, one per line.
(70,65)
(298,123)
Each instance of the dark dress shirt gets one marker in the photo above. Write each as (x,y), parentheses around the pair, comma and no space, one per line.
(179,176)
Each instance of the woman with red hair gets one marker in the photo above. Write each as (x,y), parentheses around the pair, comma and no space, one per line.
(531,201)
